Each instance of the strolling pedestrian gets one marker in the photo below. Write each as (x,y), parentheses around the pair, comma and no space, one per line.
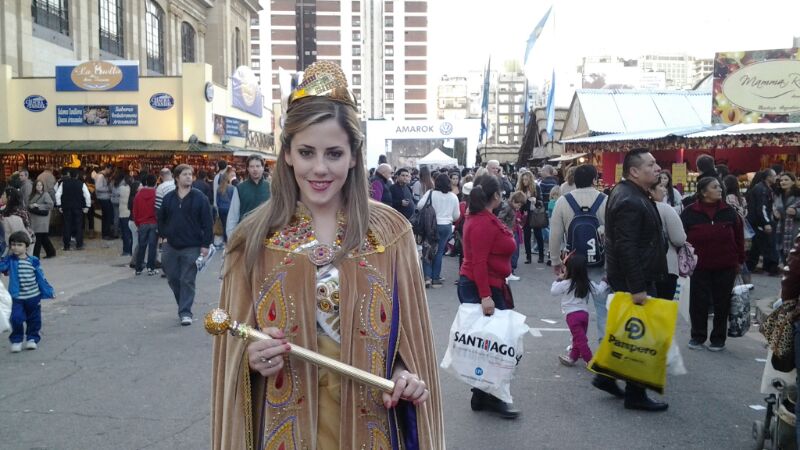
(575,288)
(27,287)
(15,217)
(121,184)
(40,205)
(25,187)
(166,186)
(102,191)
(760,215)
(635,253)
(184,221)
(488,246)
(513,217)
(716,232)
(73,200)
(445,204)
(380,184)
(786,205)
(402,197)
(586,238)
(144,215)
(675,237)
(249,194)
(527,185)
(224,196)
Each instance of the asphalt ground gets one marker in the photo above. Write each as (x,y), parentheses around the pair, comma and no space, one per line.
(115,371)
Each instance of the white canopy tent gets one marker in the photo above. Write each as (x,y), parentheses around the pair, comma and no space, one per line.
(437,158)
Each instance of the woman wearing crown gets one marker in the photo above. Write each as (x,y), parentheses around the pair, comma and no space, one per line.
(322,266)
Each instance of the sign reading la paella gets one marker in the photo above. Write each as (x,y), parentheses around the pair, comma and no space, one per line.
(757,86)
(98,76)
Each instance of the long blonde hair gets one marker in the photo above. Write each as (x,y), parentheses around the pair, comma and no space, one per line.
(530,190)
(279,210)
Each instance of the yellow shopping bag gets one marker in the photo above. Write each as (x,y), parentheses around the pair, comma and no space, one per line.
(637,341)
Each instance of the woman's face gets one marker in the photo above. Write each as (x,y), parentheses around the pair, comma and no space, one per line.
(321,157)
(658,193)
(712,192)
(664,179)
(786,183)
(454,180)
(39,187)
(526,179)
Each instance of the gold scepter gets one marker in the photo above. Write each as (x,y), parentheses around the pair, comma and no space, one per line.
(218,321)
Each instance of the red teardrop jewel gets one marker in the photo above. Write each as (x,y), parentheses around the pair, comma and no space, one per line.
(383,314)
(279,380)
(273,314)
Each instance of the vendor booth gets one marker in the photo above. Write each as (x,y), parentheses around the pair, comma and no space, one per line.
(746,124)
(97,112)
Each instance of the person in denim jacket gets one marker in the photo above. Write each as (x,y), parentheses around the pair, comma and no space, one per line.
(27,286)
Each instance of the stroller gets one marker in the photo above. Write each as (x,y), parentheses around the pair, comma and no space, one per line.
(777,431)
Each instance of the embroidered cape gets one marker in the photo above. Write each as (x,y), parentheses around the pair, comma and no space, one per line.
(384,318)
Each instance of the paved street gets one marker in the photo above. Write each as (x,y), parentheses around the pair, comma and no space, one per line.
(115,370)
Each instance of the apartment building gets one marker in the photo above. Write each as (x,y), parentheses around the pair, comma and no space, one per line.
(382,47)
(160,34)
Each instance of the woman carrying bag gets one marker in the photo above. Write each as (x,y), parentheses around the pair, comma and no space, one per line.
(39,206)
(488,246)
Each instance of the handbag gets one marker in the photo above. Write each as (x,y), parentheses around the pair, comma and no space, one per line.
(687,260)
(538,217)
(777,329)
(218,229)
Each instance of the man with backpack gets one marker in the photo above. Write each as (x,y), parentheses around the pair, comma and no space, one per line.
(577,225)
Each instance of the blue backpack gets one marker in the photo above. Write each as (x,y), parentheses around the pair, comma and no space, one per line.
(582,234)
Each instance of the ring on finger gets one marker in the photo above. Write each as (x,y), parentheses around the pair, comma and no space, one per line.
(263,359)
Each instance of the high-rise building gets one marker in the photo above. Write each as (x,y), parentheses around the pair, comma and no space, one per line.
(160,34)
(452,101)
(510,108)
(702,68)
(679,69)
(382,47)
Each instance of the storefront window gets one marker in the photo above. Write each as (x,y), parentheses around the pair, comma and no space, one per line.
(111,27)
(154,22)
(53,14)
(187,42)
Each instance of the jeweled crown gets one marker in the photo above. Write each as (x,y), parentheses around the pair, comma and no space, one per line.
(323,79)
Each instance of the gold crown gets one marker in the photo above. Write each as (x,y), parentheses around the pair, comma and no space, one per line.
(323,79)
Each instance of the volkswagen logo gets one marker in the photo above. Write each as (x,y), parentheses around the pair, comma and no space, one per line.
(446,128)
(635,328)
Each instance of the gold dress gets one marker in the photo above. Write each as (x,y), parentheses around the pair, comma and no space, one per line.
(379,317)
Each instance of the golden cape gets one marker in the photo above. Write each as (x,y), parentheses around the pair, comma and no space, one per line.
(384,317)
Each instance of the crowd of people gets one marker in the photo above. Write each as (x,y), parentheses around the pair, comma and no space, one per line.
(364,246)
(624,239)
(165,220)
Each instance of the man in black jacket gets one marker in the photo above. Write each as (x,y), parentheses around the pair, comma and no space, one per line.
(402,197)
(184,220)
(635,252)
(759,214)
(73,200)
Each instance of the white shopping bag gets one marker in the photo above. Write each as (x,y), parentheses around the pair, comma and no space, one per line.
(5,309)
(682,295)
(484,351)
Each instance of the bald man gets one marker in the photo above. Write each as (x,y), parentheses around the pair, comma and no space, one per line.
(381,183)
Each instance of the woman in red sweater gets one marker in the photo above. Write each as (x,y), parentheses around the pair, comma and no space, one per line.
(488,245)
(716,231)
